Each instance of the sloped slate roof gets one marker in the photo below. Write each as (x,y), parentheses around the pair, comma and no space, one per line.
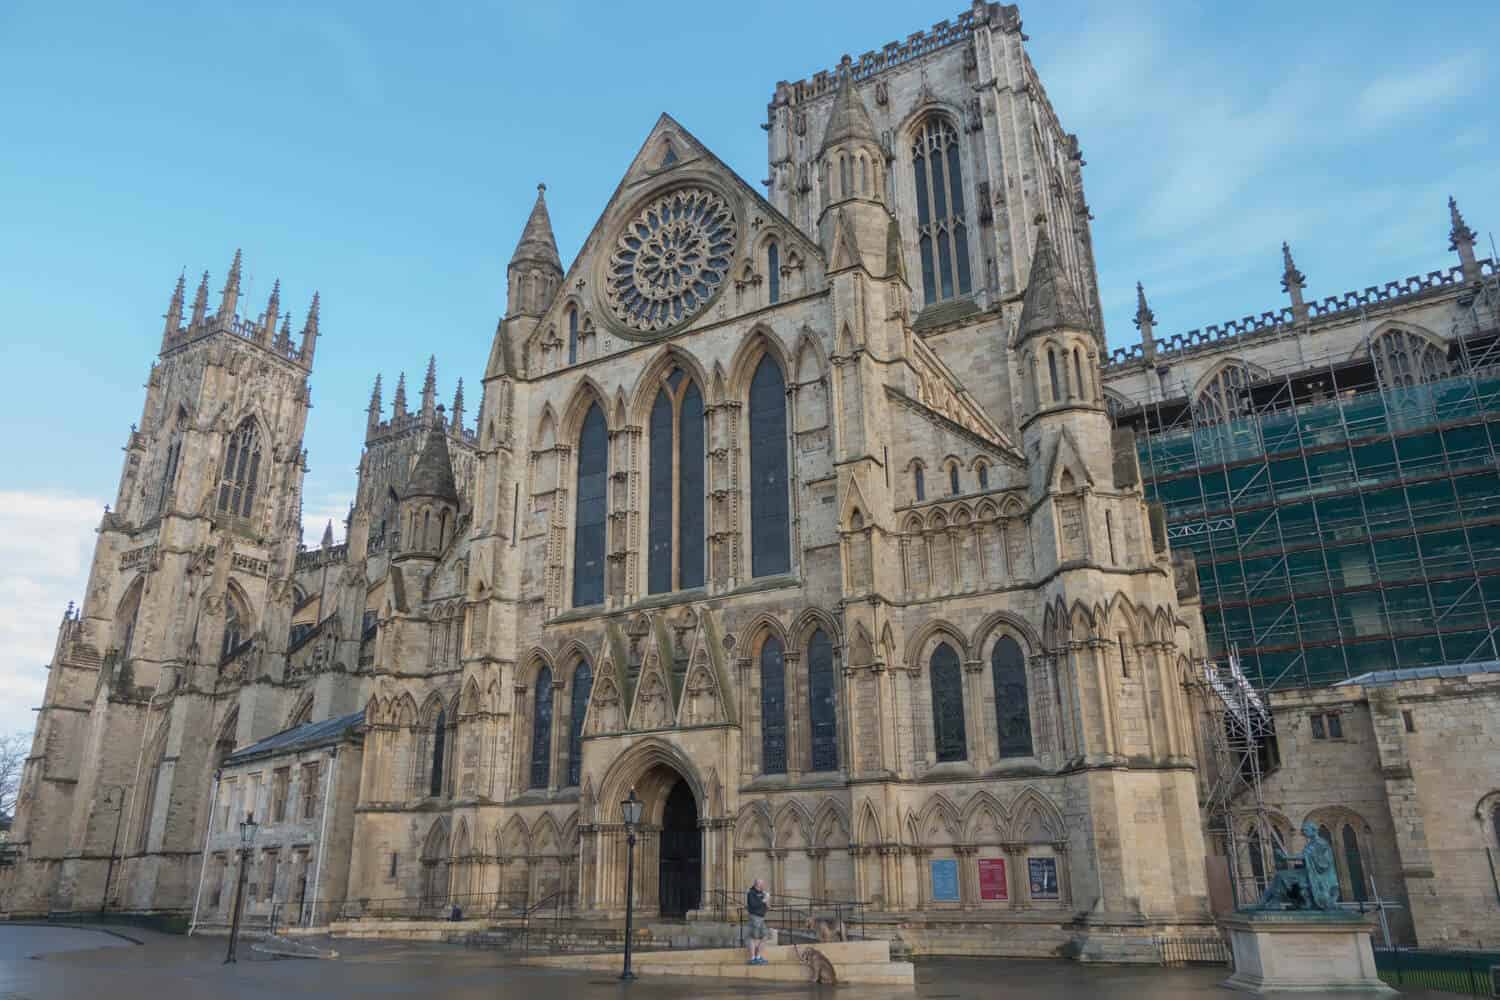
(849,119)
(537,242)
(304,737)
(433,476)
(1051,302)
(1385,678)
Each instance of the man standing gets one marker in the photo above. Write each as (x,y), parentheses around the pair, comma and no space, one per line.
(757,901)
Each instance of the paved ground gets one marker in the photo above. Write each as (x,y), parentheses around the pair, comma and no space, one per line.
(43,963)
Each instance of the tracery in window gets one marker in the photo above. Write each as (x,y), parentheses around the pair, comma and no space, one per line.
(770,502)
(772,707)
(572,336)
(675,543)
(1012,700)
(946,677)
(1403,358)
(824,703)
(583,687)
(541,730)
(241,471)
(942,240)
(1225,397)
(773,271)
(589,522)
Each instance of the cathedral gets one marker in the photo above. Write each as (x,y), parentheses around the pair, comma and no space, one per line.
(799,514)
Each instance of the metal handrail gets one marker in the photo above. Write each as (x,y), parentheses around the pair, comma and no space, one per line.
(794,913)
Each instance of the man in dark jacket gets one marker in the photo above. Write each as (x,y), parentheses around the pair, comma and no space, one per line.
(757,902)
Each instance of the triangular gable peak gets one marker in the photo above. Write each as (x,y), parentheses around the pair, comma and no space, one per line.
(670,159)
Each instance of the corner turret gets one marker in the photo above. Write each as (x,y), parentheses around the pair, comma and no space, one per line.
(855,225)
(535,271)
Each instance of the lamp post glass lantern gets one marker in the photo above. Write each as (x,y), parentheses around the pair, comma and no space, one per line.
(630,811)
(247,836)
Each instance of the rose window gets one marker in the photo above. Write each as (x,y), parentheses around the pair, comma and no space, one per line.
(671,259)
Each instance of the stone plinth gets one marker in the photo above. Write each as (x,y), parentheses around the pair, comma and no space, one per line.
(1301,951)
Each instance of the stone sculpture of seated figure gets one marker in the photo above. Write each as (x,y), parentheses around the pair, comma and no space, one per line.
(1312,885)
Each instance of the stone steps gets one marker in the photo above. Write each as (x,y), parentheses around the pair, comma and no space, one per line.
(853,962)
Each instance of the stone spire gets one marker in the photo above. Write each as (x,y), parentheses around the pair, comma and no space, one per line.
(433,475)
(273,312)
(174,309)
(1051,302)
(1292,282)
(429,386)
(398,403)
(231,296)
(1461,239)
(374,412)
(284,339)
(328,534)
(310,332)
(458,410)
(200,303)
(537,242)
(849,121)
(1145,321)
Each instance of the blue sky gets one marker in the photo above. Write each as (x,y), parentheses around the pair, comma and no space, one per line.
(386,155)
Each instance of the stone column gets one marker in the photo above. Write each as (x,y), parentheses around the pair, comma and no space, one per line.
(555,736)
(797,748)
(968,875)
(979,747)
(1064,876)
(1015,877)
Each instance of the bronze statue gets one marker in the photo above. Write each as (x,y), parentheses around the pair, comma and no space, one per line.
(1310,882)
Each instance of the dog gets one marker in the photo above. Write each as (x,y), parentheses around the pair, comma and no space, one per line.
(828,931)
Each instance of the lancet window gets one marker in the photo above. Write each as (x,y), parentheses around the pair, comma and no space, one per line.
(241,471)
(583,687)
(592,504)
(541,730)
(946,676)
(942,239)
(823,694)
(1012,705)
(772,706)
(770,500)
(675,527)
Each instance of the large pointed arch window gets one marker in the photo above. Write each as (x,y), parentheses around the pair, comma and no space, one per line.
(772,706)
(942,240)
(241,471)
(770,502)
(583,687)
(1226,396)
(773,271)
(1403,358)
(572,336)
(234,628)
(823,695)
(676,523)
(1012,707)
(541,730)
(439,746)
(946,675)
(169,467)
(589,522)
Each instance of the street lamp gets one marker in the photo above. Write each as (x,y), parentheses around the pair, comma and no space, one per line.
(247,835)
(631,810)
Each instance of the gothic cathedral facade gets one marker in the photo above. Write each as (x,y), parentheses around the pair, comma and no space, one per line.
(800,515)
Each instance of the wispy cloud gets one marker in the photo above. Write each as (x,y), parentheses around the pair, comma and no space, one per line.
(1394,96)
(46,542)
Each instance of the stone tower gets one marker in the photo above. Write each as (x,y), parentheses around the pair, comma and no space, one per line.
(190,591)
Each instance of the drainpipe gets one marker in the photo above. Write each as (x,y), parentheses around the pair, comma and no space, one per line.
(333,764)
(208,829)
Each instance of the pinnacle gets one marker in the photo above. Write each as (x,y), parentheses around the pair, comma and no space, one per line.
(537,242)
(1051,303)
(1143,314)
(1290,276)
(849,119)
(433,475)
(1460,231)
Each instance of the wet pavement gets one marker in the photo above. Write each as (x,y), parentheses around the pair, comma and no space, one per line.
(43,963)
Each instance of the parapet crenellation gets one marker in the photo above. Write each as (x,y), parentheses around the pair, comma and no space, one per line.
(317,558)
(1330,307)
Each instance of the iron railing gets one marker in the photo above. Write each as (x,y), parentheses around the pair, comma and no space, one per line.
(793,914)
(1471,973)
(1206,949)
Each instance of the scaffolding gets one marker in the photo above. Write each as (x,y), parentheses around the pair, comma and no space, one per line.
(1240,737)
(1342,524)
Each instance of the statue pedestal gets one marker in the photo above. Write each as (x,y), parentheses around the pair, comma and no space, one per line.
(1301,950)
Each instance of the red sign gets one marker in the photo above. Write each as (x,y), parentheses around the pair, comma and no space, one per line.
(992,879)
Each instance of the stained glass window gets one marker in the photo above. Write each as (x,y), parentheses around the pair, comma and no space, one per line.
(772,707)
(589,525)
(1012,704)
(773,271)
(942,239)
(659,523)
(919,483)
(770,504)
(948,704)
(583,687)
(541,730)
(984,477)
(953,480)
(1226,396)
(691,491)
(572,336)
(241,470)
(439,737)
(675,524)
(1353,864)
(823,693)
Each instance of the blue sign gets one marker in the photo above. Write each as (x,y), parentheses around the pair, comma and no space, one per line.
(944,880)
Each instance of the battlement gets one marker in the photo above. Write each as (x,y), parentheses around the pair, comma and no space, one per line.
(185,326)
(1276,321)
(941,35)
(332,555)
(406,423)
(245,329)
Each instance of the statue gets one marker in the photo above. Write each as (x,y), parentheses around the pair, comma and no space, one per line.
(1310,882)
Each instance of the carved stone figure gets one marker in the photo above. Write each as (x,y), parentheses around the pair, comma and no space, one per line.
(1308,882)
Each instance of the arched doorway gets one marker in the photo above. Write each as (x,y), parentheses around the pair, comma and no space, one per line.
(680,866)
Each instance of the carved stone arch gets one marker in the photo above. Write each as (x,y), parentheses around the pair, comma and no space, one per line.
(1219,393)
(460,845)
(761,340)
(812,360)
(635,763)
(932,632)
(758,629)
(854,501)
(913,525)
(472,702)
(236,598)
(752,826)
(937,520)
(1005,623)
(1405,354)
(912,829)
(546,428)
(715,793)
(513,840)
(1082,623)
(830,825)
(570,834)
(643,394)
(719,384)
(532,663)
(621,411)
(809,621)
(1035,819)
(928,106)
(435,845)
(1163,622)
(546,833)
(431,709)
(867,828)
(585,394)
(406,710)
(572,653)
(984,820)
(792,826)
(939,818)
(845,343)
(861,647)
(376,711)
(301,711)
(1012,507)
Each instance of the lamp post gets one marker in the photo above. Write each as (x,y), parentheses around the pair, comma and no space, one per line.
(247,834)
(631,810)
(114,847)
